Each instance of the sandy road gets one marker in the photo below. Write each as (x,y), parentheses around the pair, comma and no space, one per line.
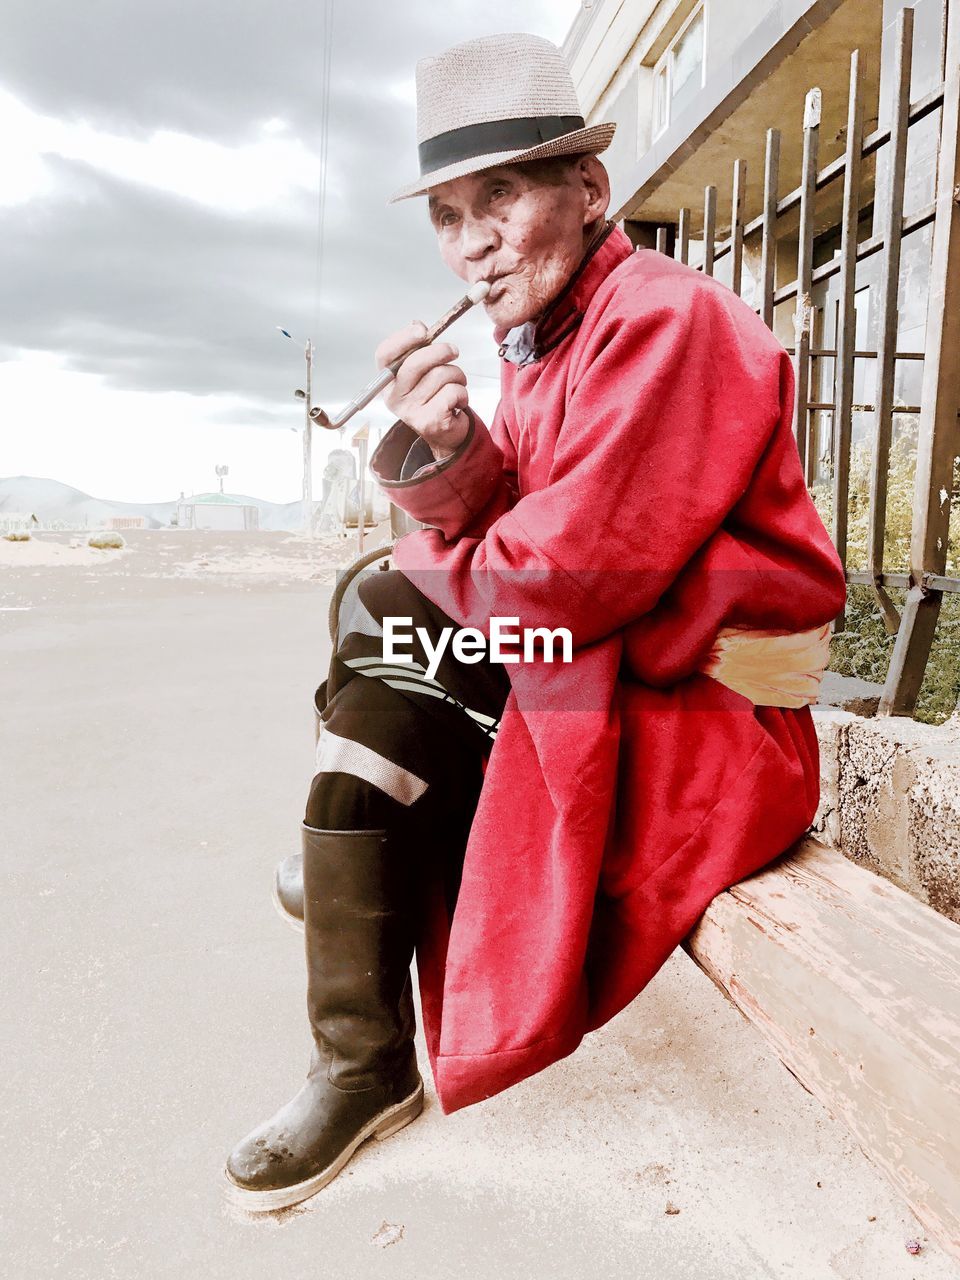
(156,751)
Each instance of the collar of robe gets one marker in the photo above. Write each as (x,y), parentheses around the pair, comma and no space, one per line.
(530,342)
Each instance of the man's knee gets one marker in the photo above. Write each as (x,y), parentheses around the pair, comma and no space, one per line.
(343,802)
(386,593)
(367,732)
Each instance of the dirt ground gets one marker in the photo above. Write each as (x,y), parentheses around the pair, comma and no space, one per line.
(156,746)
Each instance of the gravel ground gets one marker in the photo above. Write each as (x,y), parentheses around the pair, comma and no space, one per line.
(156,742)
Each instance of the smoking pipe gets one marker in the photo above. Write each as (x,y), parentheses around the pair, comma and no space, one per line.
(476,293)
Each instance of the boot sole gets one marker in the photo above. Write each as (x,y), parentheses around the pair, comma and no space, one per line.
(293,921)
(384,1125)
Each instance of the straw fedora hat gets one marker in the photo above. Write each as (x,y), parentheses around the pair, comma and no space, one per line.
(497,100)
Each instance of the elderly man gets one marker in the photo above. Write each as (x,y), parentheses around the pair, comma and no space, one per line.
(545,833)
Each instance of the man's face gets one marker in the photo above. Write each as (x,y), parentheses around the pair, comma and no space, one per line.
(525,238)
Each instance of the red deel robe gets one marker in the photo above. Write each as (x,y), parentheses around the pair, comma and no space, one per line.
(641,486)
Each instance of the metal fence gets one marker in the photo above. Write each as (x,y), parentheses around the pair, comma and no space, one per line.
(938,437)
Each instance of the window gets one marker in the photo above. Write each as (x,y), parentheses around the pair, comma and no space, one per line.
(678,75)
(660,104)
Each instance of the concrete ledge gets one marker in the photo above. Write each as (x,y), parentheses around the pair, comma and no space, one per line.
(861,697)
(890,800)
(857,987)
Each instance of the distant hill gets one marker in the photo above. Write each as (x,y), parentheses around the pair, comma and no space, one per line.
(50,501)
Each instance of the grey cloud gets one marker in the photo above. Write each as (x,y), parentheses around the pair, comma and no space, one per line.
(155,292)
(212,66)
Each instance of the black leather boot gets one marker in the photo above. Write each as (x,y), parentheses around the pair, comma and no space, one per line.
(359,928)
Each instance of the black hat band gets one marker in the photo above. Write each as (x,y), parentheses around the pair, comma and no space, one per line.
(492,136)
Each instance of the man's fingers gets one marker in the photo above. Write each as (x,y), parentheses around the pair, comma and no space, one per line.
(454,395)
(428,389)
(399,342)
(435,380)
(443,408)
(450,424)
(419,363)
(430,382)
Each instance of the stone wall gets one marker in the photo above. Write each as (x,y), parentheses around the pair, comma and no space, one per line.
(890,799)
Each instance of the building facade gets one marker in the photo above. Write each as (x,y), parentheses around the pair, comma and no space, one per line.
(763,144)
(216,511)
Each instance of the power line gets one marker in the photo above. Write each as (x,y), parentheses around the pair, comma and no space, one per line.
(326,75)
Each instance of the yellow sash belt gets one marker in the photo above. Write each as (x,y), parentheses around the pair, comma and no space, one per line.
(771,668)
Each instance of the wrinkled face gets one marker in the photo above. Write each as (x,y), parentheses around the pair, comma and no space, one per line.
(526,238)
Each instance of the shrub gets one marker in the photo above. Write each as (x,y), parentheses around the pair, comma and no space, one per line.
(17,535)
(106,540)
(863,648)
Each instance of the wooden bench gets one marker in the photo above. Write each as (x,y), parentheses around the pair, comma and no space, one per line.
(857,986)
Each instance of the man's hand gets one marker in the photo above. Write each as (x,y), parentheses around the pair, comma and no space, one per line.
(429,392)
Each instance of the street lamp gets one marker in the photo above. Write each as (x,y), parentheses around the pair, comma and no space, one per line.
(307,433)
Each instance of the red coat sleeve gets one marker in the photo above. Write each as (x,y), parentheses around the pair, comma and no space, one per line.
(672,400)
(459,495)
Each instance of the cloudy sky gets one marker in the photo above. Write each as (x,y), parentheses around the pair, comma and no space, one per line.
(159,174)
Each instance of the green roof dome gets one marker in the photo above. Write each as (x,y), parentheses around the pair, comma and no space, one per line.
(207,498)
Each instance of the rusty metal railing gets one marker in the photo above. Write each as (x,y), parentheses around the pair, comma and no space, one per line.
(938,440)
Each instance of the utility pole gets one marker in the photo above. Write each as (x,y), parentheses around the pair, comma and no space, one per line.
(306,397)
(308,444)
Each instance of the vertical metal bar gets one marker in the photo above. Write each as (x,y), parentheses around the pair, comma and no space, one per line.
(816,382)
(661,239)
(709,228)
(847,320)
(937,441)
(889,291)
(683,237)
(768,259)
(829,417)
(804,311)
(736,225)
